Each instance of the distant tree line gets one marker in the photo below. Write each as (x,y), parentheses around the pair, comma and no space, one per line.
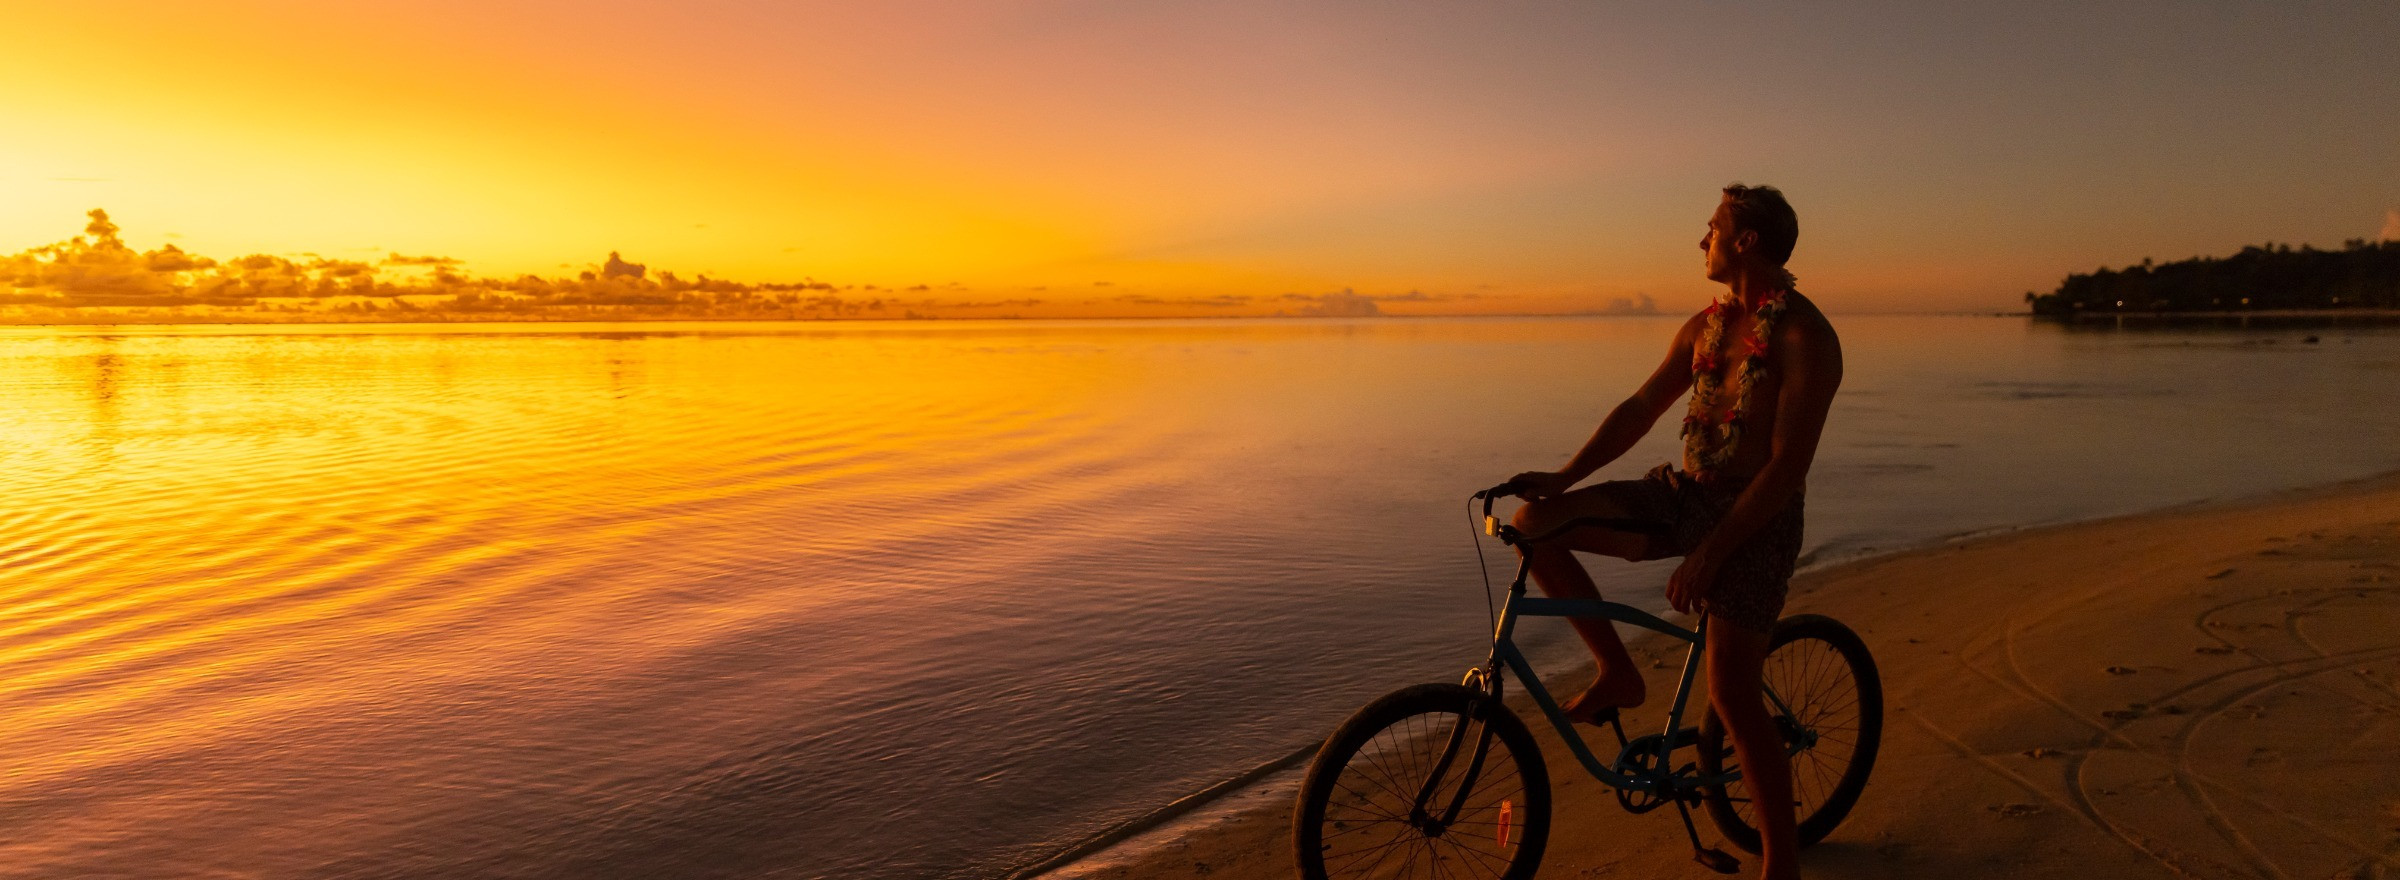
(2362,274)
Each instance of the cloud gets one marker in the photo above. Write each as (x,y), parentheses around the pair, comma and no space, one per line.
(984,304)
(1223,300)
(616,267)
(2391,226)
(169,258)
(1638,304)
(1352,304)
(1346,304)
(340,268)
(98,269)
(399,260)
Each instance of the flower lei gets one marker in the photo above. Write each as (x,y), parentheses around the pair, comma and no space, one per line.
(1708,447)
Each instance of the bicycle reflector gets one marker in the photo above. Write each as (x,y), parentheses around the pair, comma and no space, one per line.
(1507,812)
(1491,525)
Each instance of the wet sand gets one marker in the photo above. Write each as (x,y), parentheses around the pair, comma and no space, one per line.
(2203,692)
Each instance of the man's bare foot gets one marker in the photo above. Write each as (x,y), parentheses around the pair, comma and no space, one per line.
(1610,692)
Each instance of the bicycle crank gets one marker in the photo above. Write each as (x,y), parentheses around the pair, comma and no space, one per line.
(1709,857)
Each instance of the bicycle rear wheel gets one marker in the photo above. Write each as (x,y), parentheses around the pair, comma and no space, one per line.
(1381,801)
(1823,674)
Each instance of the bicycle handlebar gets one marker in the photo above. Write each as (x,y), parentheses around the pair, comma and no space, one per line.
(1495,493)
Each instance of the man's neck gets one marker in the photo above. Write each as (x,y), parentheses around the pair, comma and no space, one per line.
(1755,286)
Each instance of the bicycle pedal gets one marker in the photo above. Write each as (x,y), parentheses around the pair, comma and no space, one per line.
(1717,860)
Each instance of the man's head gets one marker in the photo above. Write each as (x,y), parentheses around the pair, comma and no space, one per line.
(1754,228)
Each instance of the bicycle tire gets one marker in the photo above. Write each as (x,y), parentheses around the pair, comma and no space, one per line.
(1844,707)
(1365,774)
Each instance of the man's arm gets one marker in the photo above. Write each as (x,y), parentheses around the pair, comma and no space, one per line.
(1627,423)
(1809,357)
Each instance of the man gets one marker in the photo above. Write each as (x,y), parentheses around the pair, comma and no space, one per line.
(1762,365)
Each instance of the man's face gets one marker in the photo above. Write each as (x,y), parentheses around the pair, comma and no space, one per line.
(1717,247)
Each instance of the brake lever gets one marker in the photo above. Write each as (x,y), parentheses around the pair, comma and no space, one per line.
(1491,524)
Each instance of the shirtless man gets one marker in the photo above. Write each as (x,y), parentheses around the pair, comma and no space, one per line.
(1763,365)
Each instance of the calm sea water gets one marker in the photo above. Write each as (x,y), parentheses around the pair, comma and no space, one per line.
(891,600)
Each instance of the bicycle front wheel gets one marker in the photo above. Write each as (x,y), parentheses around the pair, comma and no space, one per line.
(1432,781)
(1822,674)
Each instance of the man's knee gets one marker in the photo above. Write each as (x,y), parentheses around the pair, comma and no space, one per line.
(1529,515)
(1541,518)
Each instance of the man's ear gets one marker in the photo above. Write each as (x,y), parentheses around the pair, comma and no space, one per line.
(1743,243)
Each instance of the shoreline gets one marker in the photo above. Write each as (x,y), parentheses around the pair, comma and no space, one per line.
(2367,314)
(1206,848)
(2343,315)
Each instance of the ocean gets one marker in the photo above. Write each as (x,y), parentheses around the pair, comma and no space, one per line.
(898,599)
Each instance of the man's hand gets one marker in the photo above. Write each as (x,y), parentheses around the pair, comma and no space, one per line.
(1537,485)
(1689,586)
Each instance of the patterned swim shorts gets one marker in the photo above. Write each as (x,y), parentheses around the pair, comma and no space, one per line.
(1751,586)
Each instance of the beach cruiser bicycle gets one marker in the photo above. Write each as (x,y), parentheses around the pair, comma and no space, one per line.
(1444,781)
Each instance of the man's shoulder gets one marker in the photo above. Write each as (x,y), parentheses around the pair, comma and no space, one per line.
(1807,338)
(1689,333)
(1801,317)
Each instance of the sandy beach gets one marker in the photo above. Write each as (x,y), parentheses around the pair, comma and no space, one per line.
(2203,692)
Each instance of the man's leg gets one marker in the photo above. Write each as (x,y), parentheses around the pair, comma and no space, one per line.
(1736,660)
(1556,570)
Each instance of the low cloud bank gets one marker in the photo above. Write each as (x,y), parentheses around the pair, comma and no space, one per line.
(97,278)
(1352,304)
(98,270)
(1638,304)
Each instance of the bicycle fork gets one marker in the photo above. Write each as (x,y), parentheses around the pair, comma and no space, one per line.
(1435,825)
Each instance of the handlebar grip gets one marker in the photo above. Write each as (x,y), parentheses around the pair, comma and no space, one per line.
(1493,494)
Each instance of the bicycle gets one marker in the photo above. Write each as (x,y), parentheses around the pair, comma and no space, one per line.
(1387,794)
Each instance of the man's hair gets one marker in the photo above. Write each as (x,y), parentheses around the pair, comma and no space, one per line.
(1761,209)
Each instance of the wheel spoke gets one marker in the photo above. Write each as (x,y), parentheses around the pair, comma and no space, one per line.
(1817,680)
(1497,863)
(1363,828)
(1386,783)
(1415,848)
(1371,815)
(1383,851)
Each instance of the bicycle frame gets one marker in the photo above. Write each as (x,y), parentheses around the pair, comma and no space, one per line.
(1505,653)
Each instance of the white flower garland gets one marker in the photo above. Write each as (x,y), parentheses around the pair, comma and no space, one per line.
(1708,447)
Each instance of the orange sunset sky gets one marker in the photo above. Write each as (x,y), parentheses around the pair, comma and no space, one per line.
(1115,156)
